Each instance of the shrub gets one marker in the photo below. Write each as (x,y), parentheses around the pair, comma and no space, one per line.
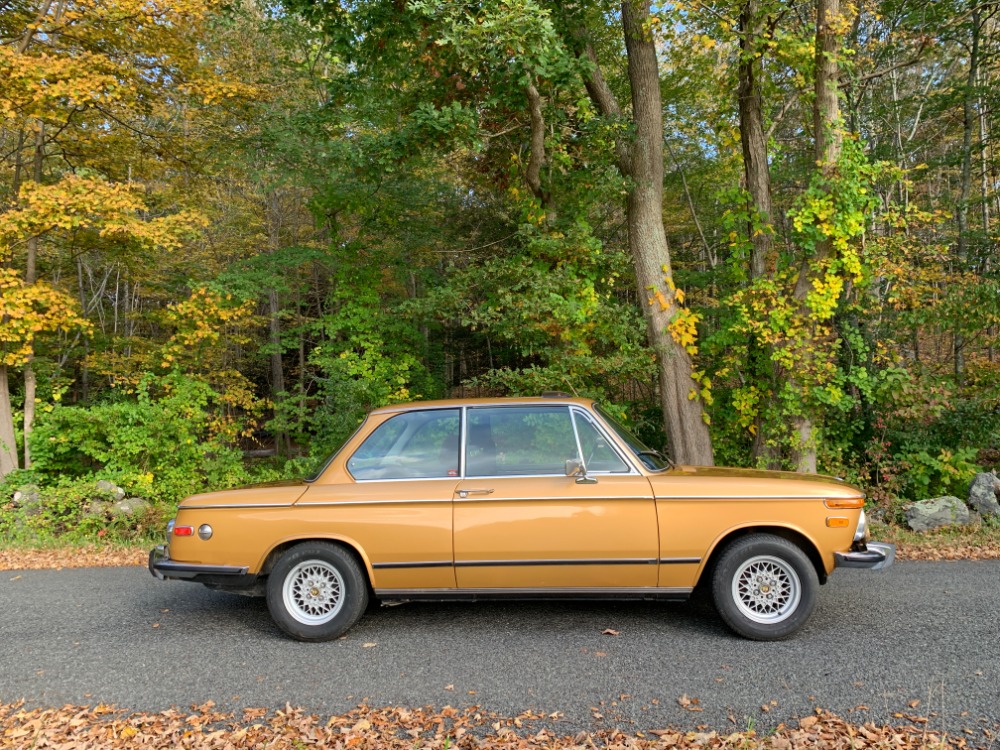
(160,446)
(72,510)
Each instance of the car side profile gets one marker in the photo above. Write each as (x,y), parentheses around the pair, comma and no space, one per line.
(547,497)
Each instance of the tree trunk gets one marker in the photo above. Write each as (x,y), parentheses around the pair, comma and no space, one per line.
(8,442)
(684,417)
(30,277)
(282,441)
(754,141)
(965,188)
(640,160)
(757,172)
(828,143)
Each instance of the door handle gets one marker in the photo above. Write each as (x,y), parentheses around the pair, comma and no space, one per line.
(465,493)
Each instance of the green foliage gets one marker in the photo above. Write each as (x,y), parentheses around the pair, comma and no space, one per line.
(159,445)
(371,356)
(927,474)
(71,510)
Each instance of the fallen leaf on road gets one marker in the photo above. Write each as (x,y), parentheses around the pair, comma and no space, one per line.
(368,645)
(690,704)
(610,631)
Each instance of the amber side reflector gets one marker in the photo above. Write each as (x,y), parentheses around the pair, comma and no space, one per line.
(846,502)
(183,530)
(837,522)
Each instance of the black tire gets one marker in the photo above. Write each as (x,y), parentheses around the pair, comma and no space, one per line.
(316,591)
(764,587)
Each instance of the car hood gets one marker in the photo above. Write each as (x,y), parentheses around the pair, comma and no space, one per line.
(282,492)
(714,481)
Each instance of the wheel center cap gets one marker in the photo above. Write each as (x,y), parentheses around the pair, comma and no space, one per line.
(314,591)
(765,589)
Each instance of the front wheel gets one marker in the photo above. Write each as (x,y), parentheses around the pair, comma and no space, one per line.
(316,591)
(764,587)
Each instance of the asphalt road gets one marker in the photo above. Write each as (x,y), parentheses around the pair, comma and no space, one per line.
(920,631)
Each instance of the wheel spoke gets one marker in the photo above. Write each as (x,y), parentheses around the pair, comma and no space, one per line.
(313,592)
(766,589)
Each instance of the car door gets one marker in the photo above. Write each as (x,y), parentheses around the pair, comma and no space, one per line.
(394,500)
(521,524)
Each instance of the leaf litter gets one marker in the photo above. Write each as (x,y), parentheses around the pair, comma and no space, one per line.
(396,728)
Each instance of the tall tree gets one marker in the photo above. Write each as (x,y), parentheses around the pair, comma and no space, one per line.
(640,160)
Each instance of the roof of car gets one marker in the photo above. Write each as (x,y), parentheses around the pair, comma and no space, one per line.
(498,401)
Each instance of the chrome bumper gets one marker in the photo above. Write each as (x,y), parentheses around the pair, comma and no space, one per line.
(876,556)
(162,567)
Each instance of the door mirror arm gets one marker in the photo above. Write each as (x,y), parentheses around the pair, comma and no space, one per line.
(576,468)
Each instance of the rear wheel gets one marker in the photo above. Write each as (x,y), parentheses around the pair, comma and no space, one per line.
(316,591)
(764,587)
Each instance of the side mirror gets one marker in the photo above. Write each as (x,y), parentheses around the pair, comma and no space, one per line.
(576,468)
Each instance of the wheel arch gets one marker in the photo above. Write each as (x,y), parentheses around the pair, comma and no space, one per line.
(348,545)
(792,535)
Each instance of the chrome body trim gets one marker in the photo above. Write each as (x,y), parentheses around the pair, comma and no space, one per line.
(875,556)
(744,497)
(333,503)
(532,499)
(238,506)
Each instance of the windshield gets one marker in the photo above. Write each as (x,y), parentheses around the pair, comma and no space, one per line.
(652,460)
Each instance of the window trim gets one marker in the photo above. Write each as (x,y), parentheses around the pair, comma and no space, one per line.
(530,406)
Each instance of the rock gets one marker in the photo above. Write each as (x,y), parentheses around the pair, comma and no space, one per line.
(96,508)
(129,506)
(103,485)
(936,513)
(28,497)
(983,494)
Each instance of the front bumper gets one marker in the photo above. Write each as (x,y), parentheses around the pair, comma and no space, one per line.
(162,567)
(875,556)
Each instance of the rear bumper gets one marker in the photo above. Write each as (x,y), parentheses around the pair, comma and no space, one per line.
(163,568)
(875,556)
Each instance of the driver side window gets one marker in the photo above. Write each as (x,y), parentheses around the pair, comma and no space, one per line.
(519,441)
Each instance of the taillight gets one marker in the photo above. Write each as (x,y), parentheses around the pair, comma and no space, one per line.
(183,530)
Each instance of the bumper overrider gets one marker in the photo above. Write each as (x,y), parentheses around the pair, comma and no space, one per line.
(873,556)
(163,568)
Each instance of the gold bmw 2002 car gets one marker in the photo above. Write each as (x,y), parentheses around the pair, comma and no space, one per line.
(519,498)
